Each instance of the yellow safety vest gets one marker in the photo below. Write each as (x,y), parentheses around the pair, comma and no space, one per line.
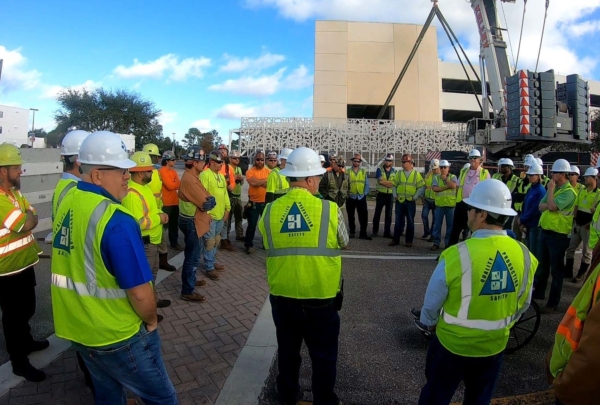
(559,221)
(18,250)
(489,280)
(300,237)
(237,190)
(216,185)
(512,183)
(385,176)
(429,193)
(483,175)
(156,187)
(148,217)
(60,191)
(406,188)
(357,181)
(446,198)
(89,306)
(276,183)
(594,230)
(579,188)
(586,200)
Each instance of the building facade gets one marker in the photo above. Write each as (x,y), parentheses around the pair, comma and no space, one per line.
(14,123)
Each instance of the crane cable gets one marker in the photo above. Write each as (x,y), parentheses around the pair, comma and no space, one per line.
(542,38)
(512,55)
(521,34)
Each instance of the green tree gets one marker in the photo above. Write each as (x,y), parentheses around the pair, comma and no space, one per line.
(53,139)
(192,137)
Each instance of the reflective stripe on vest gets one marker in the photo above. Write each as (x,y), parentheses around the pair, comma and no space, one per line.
(409,190)
(559,221)
(16,245)
(60,192)
(446,198)
(64,192)
(144,222)
(429,193)
(357,181)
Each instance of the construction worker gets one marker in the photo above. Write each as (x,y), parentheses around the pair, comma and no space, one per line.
(194,221)
(170,186)
(272,160)
(574,179)
(529,220)
(467,180)
(256,177)
(545,179)
(214,182)
(303,236)
(335,185)
(429,200)
(357,198)
(156,187)
(385,196)
(583,212)
(229,174)
(556,223)
(141,204)
(508,177)
(322,160)
(409,186)
(444,186)
(476,293)
(102,294)
(235,197)
(277,185)
(17,278)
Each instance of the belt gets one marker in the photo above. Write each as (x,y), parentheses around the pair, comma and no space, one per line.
(146,239)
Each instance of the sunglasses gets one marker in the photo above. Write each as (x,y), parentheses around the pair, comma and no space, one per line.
(259,160)
(356,161)
(109,169)
(573,174)
(215,161)
(272,160)
(473,158)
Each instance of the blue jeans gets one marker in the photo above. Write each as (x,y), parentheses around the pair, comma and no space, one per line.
(533,241)
(254,214)
(383,201)
(404,210)
(553,247)
(191,254)
(211,243)
(135,364)
(428,206)
(445,370)
(440,214)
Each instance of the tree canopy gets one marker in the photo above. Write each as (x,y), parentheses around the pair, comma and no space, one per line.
(208,140)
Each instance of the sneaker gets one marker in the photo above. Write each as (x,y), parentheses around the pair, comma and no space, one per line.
(434,248)
(163,303)
(416,313)
(219,267)
(193,297)
(38,345)
(250,250)
(30,373)
(212,275)
(200,283)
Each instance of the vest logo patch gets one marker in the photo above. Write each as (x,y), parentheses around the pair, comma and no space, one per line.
(295,220)
(62,235)
(498,276)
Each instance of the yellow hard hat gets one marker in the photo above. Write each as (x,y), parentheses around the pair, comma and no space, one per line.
(10,155)
(151,149)
(143,162)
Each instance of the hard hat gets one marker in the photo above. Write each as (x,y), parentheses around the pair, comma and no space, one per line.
(389,157)
(492,196)
(357,156)
(285,152)
(302,162)
(591,171)
(235,154)
(194,152)
(143,162)
(474,153)
(535,168)
(529,160)
(151,149)
(168,155)
(445,163)
(575,169)
(541,163)
(104,148)
(340,161)
(435,164)
(561,166)
(332,154)
(272,155)
(10,155)
(507,162)
(72,142)
(321,158)
(216,155)
(467,166)
(223,146)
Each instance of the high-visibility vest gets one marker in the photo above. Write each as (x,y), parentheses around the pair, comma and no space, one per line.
(429,193)
(512,183)
(594,230)
(586,200)
(489,280)
(156,187)
(186,208)
(446,198)
(216,185)
(237,190)
(300,237)
(89,306)
(570,330)
(357,181)
(276,183)
(149,218)
(18,250)
(483,175)
(386,176)
(579,188)
(406,187)
(60,191)
(332,185)
(559,221)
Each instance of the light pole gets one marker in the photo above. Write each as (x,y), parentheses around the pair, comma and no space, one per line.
(173,142)
(32,136)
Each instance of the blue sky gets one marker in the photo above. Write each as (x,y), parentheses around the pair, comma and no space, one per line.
(206,63)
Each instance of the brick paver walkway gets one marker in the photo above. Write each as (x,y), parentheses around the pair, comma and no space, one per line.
(200,342)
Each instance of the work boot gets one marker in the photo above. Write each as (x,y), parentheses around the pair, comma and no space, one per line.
(568,273)
(226,244)
(200,283)
(27,371)
(193,297)
(163,262)
(213,275)
(163,303)
(219,267)
(38,345)
(583,268)
(434,247)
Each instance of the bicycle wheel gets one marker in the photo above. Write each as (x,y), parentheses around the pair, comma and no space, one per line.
(524,329)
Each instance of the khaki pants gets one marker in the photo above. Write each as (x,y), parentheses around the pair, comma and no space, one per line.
(152,257)
(162,248)
(580,234)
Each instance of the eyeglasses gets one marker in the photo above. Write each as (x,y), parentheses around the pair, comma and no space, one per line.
(473,158)
(356,161)
(259,160)
(406,161)
(215,161)
(109,169)
(272,160)
(573,174)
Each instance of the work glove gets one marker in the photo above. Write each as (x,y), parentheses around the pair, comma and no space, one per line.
(209,204)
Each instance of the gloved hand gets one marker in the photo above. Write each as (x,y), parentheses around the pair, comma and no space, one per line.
(209,204)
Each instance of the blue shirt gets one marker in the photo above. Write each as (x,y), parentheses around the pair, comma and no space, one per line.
(530,217)
(69,176)
(437,290)
(360,196)
(121,247)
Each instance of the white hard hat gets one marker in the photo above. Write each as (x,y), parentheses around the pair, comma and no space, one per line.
(493,196)
(467,166)
(529,160)
(389,157)
(535,168)
(444,163)
(285,152)
(435,164)
(72,142)
(506,161)
(591,171)
(561,166)
(575,169)
(302,162)
(104,148)
(541,163)
(321,158)
(474,153)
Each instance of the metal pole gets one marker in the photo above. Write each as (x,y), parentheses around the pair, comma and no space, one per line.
(33,122)
(432,13)
(1,61)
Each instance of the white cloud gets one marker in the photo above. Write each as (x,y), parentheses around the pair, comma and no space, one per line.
(584,28)
(267,84)
(52,91)
(298,79)
(204,125)
(166,117)
(264,61)
(170,63)
(15,75)
(236,111)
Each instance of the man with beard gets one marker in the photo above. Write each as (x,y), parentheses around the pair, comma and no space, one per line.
(257,177)
(228,171)
(385,196)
